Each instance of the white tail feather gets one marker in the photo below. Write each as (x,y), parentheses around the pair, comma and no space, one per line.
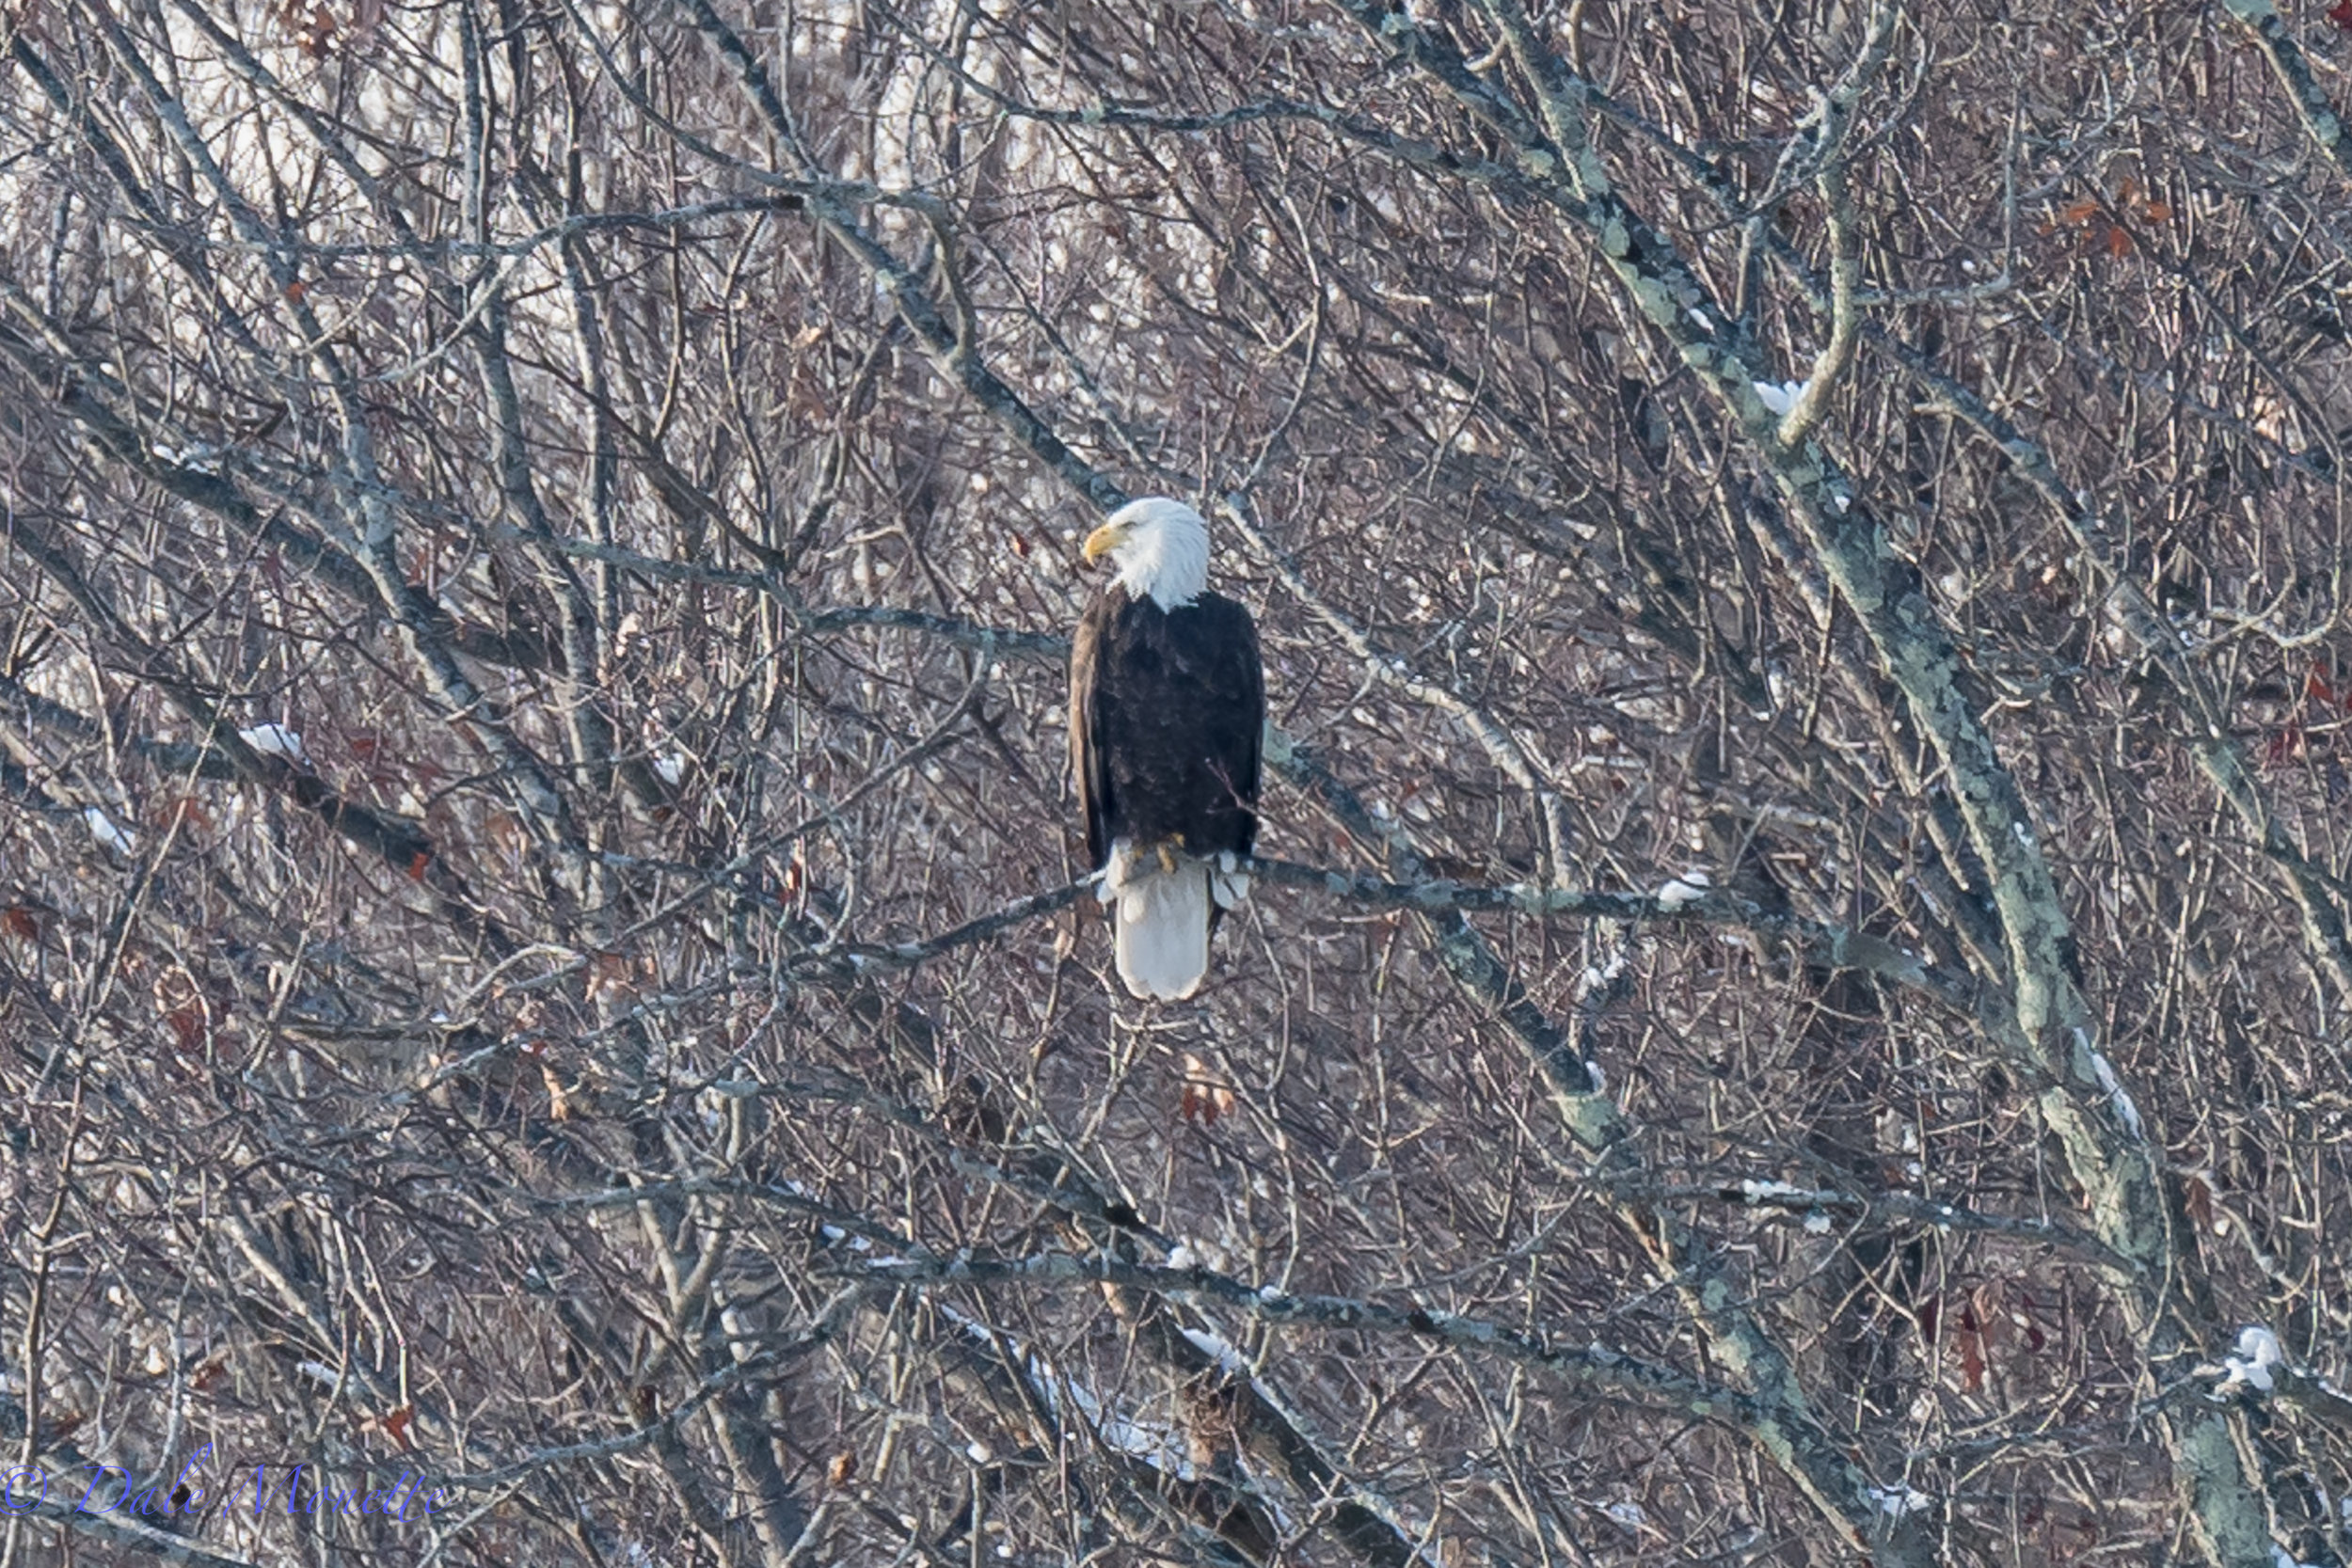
(1161,931)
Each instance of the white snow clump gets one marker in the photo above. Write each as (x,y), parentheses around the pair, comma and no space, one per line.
(1760,1192)
(276,740)
(1896,1501)
(2257,1352)
(2125,1111)
(1689,888)
(102,828)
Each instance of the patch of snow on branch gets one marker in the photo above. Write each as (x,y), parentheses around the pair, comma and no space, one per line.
(203,456)
(1159,1444)
(1897,1501)
(1217,1348)
(1598,975)
(2257,1352)
(2125,1111)
(1689,888)
(276,740)
(102,828)
(1769,1192)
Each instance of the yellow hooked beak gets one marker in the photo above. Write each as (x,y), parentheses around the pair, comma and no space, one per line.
(1103,540)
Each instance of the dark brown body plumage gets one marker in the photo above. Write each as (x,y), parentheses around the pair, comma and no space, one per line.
(1166,712)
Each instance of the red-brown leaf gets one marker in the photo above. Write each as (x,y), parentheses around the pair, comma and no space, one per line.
(187,1024)
(1969,1344)
(558,1097)
(396,1424)
(1207,1097)
(610,975)
(2195,1193)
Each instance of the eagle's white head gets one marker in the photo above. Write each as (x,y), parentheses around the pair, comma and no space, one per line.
(1161,549)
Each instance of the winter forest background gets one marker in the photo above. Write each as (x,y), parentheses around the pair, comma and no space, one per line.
(1803,566)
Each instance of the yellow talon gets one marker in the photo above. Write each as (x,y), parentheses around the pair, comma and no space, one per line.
(1168,859)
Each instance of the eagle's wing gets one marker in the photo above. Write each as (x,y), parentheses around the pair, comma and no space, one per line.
(1249,687)
(1089,765)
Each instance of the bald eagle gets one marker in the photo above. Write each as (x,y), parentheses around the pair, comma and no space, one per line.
(1167,704)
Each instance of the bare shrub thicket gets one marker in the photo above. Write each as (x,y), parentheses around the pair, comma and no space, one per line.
(1797,1009)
